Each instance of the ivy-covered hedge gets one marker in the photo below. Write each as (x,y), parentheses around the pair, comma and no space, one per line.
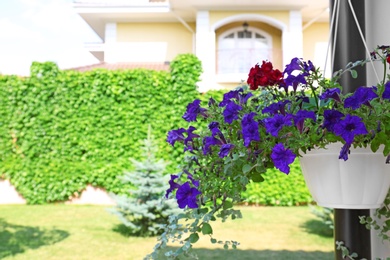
(280,189)
(61,130)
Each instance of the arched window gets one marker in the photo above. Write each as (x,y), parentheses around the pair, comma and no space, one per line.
(239,50)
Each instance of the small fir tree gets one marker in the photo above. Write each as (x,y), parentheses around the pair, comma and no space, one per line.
(145,211)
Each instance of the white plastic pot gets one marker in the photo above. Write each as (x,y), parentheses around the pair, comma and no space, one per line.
(361,182)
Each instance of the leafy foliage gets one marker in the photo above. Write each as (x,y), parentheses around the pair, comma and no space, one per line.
(282,116)
(61,130)
(381,221)
(145,211)
(279,189)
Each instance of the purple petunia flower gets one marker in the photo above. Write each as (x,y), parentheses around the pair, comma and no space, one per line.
(208,141)
(282,158)
(300,117)
(186,196)
(189,139)
(386,93)
(231,112)
(172,185)
(333,93)
(344,151)
(225,150)
(274,124)
(214,128)
(189,176)
(275,108)
(308,66)
(227,97)
(243,97)
(298,64)
(349,127)
(193,109)
(294,81)
(362,96)
(250,129)
(295,64)
(212,102)
(331,118)
(175,135)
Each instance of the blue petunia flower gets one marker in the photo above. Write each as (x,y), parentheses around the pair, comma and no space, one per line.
(231,112)
(243,97)
(214,128)
(250,129)
(344,151)
(175,135)
(189,176)
(295,81)
(276,108)
(295,64)
(188,141)
(331,118)
(193,109)
(208,141)
(274,124)
(386,93)
(225,150)
(333,93)
(282,158)
(308,66)
(300,117)
(211,102)
(362,96)
(186,196)
(227,97)
(172,185)
(349,127)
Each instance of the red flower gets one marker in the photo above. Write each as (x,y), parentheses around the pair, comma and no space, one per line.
(264,76)
(388,58)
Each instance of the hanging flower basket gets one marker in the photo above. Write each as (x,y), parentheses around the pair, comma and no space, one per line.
(361,182)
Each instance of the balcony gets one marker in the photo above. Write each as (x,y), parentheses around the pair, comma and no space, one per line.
(233,65)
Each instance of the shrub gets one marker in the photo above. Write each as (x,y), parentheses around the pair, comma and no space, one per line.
(144,211)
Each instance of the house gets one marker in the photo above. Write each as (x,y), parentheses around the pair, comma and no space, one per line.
(228,36)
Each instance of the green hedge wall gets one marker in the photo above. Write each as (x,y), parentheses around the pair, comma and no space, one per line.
(61,130)
(279,189)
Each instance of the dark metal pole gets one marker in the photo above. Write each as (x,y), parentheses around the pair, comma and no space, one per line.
(349,47)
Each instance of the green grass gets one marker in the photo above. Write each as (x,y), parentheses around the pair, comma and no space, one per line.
(49,232)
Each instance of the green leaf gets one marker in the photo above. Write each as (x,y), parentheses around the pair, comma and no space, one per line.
(206,229)
(203,210)
(354,74)
(227,204)
(193,238)
(246,168)
(256,177)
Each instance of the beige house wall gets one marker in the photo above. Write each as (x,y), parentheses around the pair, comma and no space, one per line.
(315,41)
(176,38)
(282,16)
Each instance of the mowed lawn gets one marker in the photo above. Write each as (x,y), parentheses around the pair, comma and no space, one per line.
(75,232)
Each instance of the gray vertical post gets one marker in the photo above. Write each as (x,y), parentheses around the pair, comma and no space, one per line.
(349,47)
